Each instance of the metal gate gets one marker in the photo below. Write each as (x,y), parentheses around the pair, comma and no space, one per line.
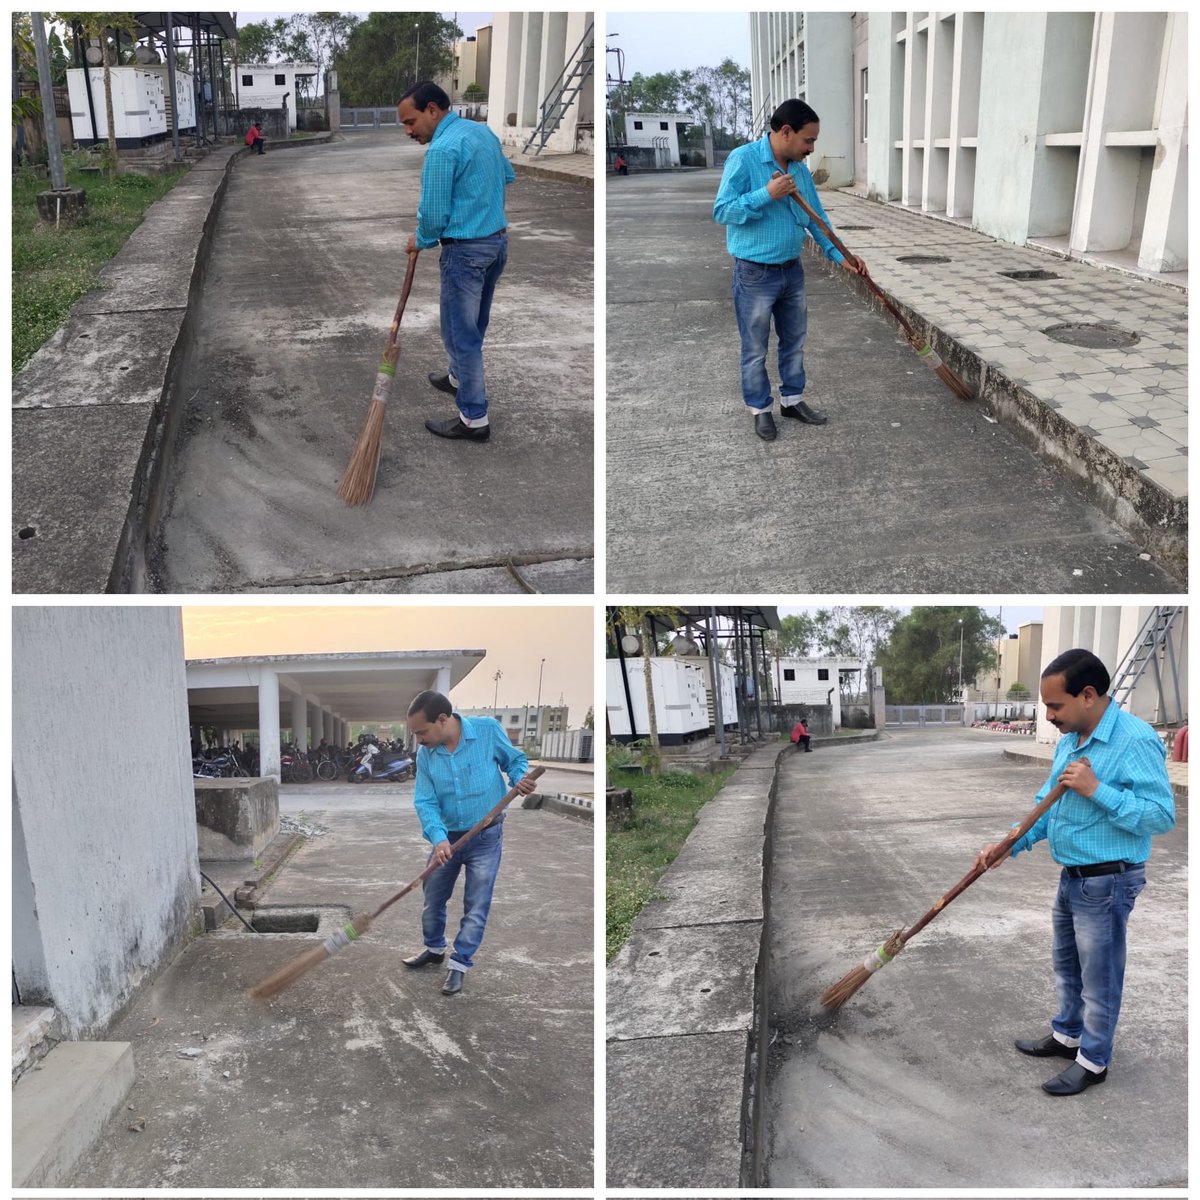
(912,716)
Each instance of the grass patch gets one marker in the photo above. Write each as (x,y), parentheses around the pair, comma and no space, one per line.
(52,269)
(639,850)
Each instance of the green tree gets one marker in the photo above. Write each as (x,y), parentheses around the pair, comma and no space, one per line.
(380,59)
(589,722)
(921,655)
(256,42)
(1018,691)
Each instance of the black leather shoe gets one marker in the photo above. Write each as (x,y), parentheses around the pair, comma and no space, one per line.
(423,959)
(454,428)
(454,983)
(764,426)
(1073,1080)
(443,384)
(1046,1047)
(801,412)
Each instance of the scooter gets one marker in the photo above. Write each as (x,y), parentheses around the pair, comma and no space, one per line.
(392,769)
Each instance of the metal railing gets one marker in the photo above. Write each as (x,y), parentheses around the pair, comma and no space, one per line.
(576,70)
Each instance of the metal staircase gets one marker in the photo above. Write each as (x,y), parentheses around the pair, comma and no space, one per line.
(1154,649)
(761,119)
(564,90)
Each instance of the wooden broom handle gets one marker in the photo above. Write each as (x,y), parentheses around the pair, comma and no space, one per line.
(840,245)
(483,821)
(408,282)
(1001,849)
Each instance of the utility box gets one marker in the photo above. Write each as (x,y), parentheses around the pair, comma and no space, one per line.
(728,677)
(680,699)
(235,818)
(185,96)
(139,106)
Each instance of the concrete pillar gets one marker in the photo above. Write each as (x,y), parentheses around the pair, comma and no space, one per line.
(585,102)
(1085,627)
(268,723)
(1058,634)
(443,681)
(327,724)
(1164,237)
(299,721)
(529,87)
(1106,641)
(885,66)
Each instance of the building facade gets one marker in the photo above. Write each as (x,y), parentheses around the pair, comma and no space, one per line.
(272,86)
(806,56)
(531,54)
(525,723)
(819,681)
(1018,660)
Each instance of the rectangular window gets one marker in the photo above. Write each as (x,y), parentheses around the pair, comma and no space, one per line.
(247,81)
(280,80)
(789,673)
(864,104)
(822,672)
(637,124)
(663,125)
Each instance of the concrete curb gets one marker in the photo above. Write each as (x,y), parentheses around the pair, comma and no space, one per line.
(1155,519)
(529,171)
(688,1001)
(564,804)
(88,474)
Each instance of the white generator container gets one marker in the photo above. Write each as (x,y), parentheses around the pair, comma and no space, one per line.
(680,699)
(185,95)
(567,745)
(728,677)
(139,111)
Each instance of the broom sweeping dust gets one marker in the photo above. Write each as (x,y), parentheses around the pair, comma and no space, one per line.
(287,975)
(358,484)
(925,351)
(837,994)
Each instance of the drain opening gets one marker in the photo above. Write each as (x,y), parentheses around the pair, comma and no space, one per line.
(922,260)
(1093,336)
(856,227)
(1023,276)
(26,533)
(291,922)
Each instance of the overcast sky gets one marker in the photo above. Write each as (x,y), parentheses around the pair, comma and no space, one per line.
(516,640)
(655,42)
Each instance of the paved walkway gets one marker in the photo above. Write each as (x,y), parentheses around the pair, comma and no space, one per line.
(1043,752)
(914,1083)
(307,265)
(907,489)
(565,168)
(362,1074)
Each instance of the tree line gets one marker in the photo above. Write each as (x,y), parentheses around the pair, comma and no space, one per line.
(719,95)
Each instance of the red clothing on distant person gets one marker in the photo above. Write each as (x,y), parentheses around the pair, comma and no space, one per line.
(252,135)
(799,730)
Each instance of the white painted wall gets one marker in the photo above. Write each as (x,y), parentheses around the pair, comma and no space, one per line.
(264,92)
(104,858)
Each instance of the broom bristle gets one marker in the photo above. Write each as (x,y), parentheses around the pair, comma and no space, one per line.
(838,993)
(956,385)
(303,963)
(286,976)
(358,484)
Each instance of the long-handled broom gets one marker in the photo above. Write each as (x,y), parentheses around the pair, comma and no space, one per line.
(287,975)
(924,350)
(358,484)
(837,994)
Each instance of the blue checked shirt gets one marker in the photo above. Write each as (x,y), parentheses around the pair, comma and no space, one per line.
(454,790)
(462,183)
(758,228)
(1132,803)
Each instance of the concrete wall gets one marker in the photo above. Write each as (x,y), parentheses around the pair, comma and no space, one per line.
(105,882)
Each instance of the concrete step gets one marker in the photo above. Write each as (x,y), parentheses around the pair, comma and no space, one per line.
(34,1032)
(60,1107)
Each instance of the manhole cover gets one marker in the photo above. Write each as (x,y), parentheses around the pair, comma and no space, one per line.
(1027,275)
(1095,336)
(922,260)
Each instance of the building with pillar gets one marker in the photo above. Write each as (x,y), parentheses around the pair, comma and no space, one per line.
(531,52)
(316,695)
(1120,635)
(1065,131)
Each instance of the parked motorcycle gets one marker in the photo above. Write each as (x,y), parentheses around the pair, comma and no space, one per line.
(391,768)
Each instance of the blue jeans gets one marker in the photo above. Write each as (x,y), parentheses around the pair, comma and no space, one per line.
(760,294)
(481,858)
(1089,958)
(470,270)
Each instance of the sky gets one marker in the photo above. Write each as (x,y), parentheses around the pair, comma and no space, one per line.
(516,640)
(655,42)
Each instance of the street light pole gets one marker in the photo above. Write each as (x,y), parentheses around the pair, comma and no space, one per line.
(418,62)
(539,705)
(960,656)
(496,693)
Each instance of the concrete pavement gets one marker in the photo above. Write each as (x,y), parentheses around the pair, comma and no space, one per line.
(907,489)
(363,1074)
(915,1083)
(306,267)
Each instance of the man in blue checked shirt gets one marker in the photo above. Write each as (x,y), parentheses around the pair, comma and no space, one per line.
(1100,831)
(462,207)
(459,760)
(765,230)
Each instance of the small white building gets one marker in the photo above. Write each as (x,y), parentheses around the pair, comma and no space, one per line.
(819,681)
(658,132)
(526,722)
(272,86)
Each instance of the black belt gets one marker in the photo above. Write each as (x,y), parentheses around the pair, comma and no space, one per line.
(1105,868)
(451,241)
(791,262)
(452,835)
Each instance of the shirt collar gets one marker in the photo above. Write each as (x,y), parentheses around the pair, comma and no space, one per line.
(1105,729)
(437,133)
